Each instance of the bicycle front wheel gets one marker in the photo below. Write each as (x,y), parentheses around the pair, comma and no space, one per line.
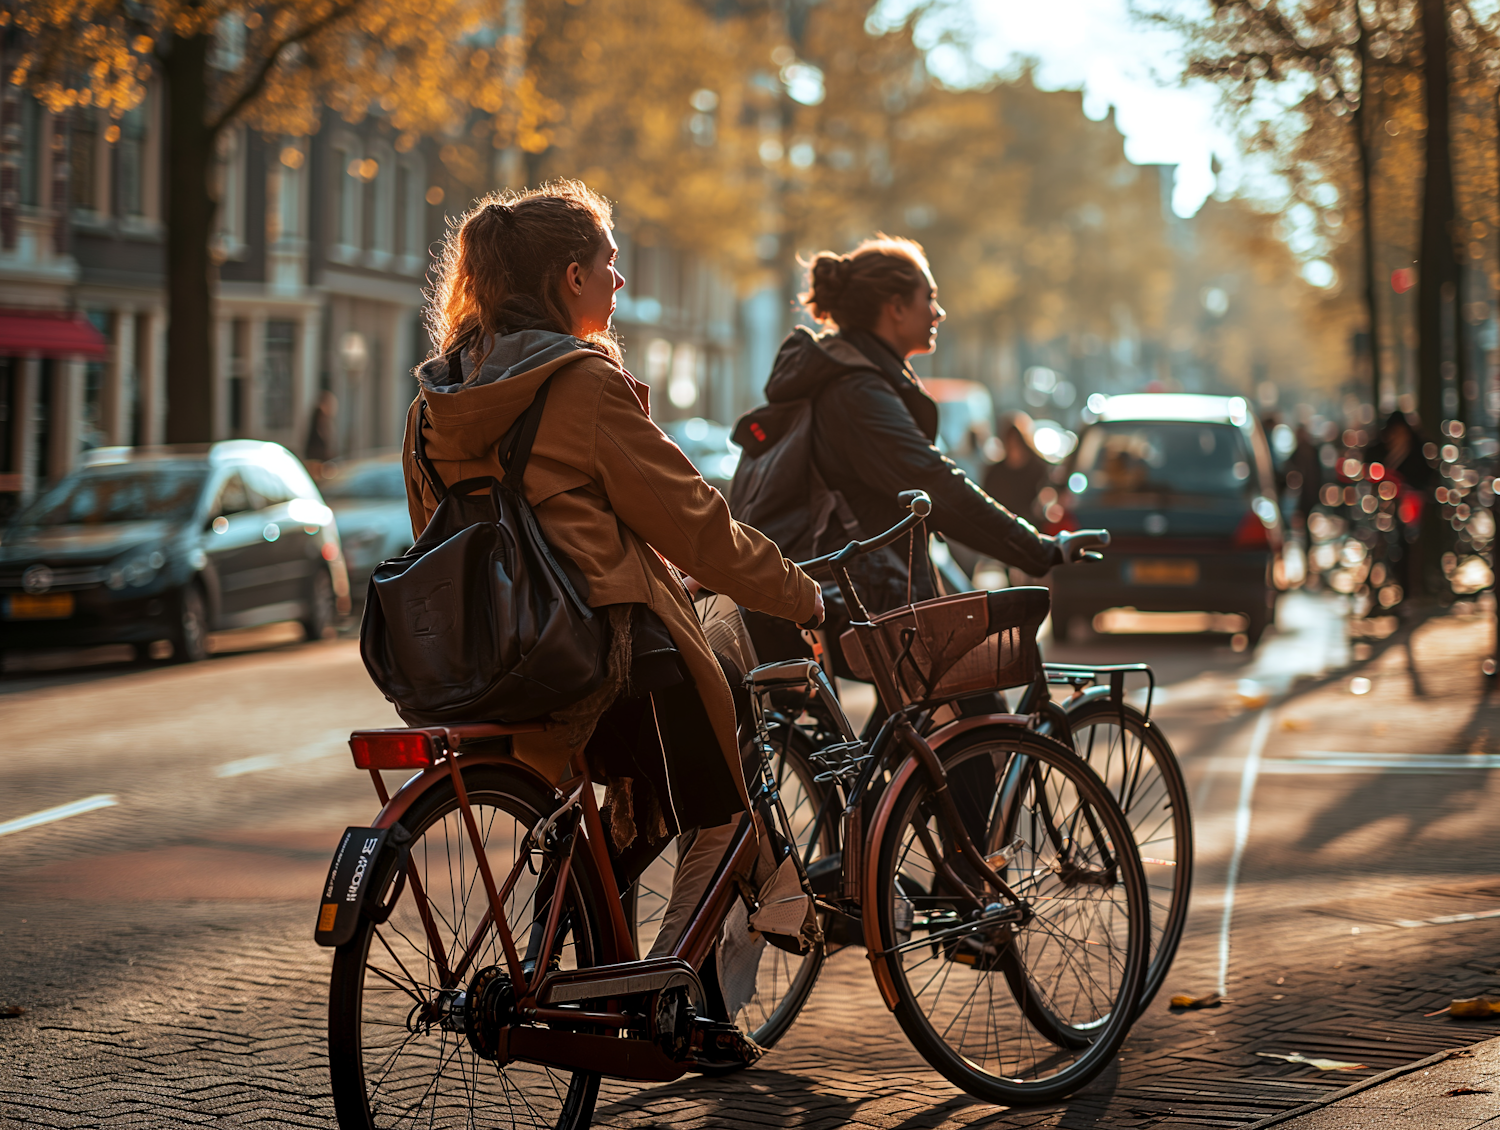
(415,1001)
(1136,763)
(1025,1011)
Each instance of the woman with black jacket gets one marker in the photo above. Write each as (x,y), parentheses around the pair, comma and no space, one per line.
(875,427)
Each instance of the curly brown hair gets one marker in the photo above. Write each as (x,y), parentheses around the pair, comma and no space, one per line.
(849,290)
(502,266)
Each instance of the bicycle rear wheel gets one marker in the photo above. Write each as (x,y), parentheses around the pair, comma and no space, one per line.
(1020,1012)
(783,980)
(404,1041)
(1138,767)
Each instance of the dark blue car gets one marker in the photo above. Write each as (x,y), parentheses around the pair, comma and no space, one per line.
(157,547)
(1184,484)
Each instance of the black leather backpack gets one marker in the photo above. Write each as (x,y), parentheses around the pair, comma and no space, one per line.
(479,620)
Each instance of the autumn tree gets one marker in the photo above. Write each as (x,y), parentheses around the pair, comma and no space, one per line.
(275,66)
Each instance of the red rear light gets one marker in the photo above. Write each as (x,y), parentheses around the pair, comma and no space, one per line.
(1060,519)
(1251,533)
(392,749)
(1409,509)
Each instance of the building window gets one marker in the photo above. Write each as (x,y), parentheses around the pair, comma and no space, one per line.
(347,170)
(281,343)
(131,156)
(230,241)
(286,198)
(83,164)
(381,199)
(31,152)
(411,215)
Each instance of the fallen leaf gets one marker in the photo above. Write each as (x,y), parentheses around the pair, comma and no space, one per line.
(11,1011)
(1467,1091)
(1182,1000)
(1471,1007)
(1319,1064)
(1278,996)
(1293,724)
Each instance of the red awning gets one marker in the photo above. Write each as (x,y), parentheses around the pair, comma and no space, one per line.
(49,333)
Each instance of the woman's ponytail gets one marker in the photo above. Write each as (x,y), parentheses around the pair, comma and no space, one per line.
(502,266)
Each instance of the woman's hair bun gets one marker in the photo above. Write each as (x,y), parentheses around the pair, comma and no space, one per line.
(830,275)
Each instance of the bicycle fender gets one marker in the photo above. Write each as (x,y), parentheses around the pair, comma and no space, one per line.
(362,863)
(869,923)
(959,726)
(418,784)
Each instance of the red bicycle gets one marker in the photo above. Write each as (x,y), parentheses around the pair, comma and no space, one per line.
(487,970)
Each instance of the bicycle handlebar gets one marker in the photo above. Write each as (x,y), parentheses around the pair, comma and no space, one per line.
(919,502)
(1082,545)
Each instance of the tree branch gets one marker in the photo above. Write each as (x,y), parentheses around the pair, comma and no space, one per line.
(257,82)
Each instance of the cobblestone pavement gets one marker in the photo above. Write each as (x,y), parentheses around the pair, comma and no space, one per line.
(160,948)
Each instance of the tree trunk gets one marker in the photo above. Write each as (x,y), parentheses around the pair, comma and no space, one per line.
(1436,272)
(191,275)
(1364,144)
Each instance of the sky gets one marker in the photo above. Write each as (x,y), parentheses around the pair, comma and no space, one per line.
(1096,46)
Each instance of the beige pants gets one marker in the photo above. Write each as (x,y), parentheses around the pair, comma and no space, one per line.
(695,870)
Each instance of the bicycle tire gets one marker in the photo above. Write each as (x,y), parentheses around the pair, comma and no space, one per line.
(770,1013)
(1166,857)
(1020,1065)
(505,805)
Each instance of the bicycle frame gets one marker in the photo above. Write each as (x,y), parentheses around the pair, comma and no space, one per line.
(574,836)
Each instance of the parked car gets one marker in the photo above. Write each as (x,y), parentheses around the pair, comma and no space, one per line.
(143,545)
(368,497)
(1184,483)
(707,444)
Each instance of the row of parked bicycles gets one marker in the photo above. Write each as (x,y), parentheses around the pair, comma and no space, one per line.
(1009,840)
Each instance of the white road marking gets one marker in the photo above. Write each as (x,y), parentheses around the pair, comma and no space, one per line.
(333,742)
(1324,761)
(61,812)
(1241,836)
(1446,919)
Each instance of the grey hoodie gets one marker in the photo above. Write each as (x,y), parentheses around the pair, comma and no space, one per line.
(510,355)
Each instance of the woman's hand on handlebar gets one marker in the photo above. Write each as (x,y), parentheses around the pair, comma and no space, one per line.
(1082,545)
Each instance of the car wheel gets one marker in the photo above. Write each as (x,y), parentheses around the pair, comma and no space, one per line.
(190,637)
(320,606)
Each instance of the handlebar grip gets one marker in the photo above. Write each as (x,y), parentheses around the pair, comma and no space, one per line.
(1082,545)
(919,502)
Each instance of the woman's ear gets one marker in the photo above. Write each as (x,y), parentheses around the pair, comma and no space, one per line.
(574,278)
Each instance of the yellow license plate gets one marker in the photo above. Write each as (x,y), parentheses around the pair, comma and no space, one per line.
(43,606)
(1166,571)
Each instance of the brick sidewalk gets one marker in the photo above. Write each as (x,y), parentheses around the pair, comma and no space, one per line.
(188,1011)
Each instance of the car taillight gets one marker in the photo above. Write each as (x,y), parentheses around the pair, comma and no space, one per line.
(1251,533)
(1060,519)
(392,749)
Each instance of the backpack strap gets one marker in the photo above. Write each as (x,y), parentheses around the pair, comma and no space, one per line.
(517,443)
(419,450)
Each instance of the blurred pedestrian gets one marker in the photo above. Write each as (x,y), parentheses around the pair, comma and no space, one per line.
(1396,456)
(1021,473)
(1305,473)
(322,434)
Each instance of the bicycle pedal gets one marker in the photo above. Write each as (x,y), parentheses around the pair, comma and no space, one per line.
(723,1048)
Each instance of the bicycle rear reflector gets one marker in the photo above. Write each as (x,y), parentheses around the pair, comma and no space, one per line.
(392,749)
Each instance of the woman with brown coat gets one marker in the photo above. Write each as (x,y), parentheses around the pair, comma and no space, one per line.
(524,295)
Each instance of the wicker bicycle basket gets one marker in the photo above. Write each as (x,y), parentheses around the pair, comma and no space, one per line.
(955,645)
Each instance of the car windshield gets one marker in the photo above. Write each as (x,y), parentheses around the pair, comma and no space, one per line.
(131,493)
(374,480)
(1124,458)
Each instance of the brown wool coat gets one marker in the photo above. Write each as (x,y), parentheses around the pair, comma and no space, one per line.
(617,496)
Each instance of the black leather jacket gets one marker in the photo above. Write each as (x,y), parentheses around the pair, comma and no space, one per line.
(874,432)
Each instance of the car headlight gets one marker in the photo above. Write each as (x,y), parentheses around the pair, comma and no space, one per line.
(136,571)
